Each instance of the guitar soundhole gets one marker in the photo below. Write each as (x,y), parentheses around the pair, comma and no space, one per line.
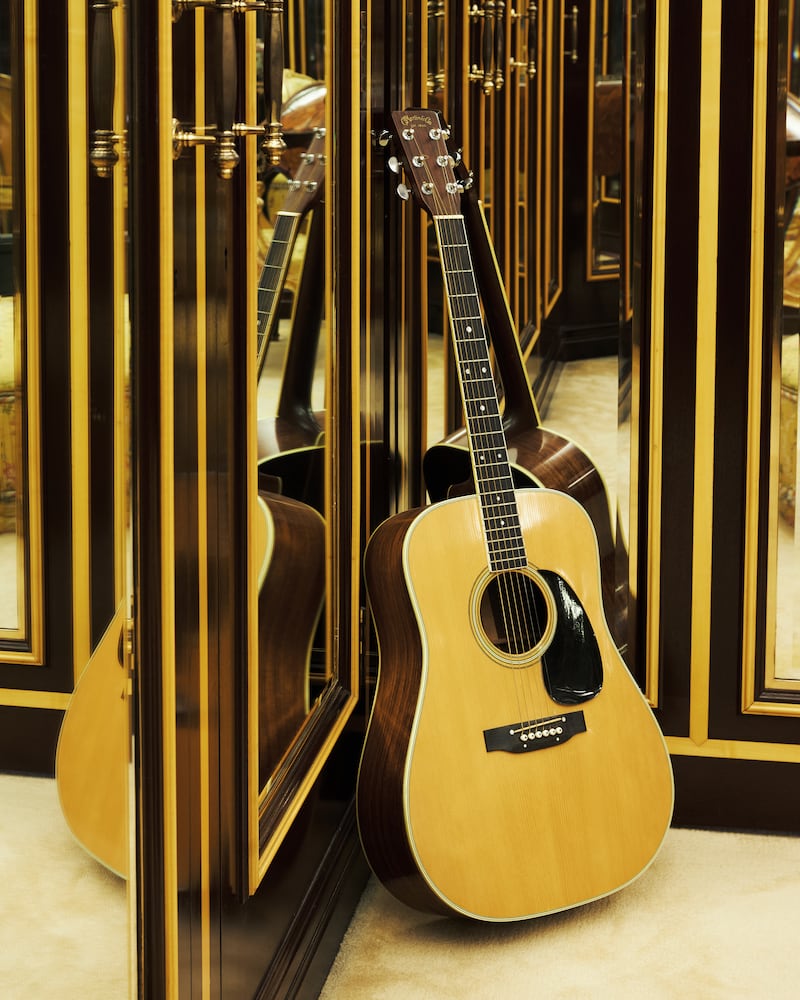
(515,612)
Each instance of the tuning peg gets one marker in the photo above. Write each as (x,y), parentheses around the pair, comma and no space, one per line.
(393,164)
(469,181)
(404,191)
(458,156)
(383,138)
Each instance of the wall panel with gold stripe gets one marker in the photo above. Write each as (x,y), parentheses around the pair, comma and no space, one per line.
(64,449)
(710,329)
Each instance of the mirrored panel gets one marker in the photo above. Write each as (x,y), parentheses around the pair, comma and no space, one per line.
(12,377)
(20,445)
(604,188)
(294,423)
(527,118)
(784,381)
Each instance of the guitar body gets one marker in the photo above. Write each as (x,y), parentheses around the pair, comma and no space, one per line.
(458,816)
(93,753)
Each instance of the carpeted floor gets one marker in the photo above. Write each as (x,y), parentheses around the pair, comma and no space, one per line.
(64,927)
(714,917)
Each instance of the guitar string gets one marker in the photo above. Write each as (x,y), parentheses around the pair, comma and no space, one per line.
(514,587)
(507,554)
(468,357)
(519,607)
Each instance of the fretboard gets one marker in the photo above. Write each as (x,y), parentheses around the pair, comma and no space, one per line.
(484,423)
(273,276)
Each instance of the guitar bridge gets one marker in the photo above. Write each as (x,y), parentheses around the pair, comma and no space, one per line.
(538,734)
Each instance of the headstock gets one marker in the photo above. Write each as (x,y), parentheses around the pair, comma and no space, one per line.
(427,161)
(305,188)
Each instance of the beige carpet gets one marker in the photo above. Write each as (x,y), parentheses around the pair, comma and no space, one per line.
(714,917)
(63,917)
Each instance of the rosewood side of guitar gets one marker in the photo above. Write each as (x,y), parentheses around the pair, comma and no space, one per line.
(379,794)
(449,826)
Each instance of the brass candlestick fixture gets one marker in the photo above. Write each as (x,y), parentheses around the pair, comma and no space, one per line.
(102,150)
(224,132)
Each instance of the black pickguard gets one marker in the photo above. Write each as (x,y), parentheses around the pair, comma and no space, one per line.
(571,665)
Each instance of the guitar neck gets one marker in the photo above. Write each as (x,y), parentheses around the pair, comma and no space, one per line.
(273,278)
(484,424)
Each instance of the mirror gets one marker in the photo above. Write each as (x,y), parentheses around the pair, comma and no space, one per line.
(604,188)
(785,675)
(293,419)
(529,117)
(19,576)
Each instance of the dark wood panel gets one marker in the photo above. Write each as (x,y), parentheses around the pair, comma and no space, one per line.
(736,794)
(28,738)
(679,371)
(146,333)
(102,413)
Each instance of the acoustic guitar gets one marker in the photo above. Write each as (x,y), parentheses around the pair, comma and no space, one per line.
(511,765)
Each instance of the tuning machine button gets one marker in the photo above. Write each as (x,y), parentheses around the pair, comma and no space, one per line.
(404,191)
(393,164)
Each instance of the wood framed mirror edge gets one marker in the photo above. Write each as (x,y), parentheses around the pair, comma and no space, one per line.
(274,805)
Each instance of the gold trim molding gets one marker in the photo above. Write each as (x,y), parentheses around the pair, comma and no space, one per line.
(656,375)
(11,697)
(734,750)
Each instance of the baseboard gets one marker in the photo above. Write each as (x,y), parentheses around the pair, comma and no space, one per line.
(28,739)
(309,946)
(751,795)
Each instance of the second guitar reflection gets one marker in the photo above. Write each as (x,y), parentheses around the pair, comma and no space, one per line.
(290,525)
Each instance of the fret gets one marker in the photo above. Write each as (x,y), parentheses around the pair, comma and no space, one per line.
(500,530)
(508,543)
(486,468)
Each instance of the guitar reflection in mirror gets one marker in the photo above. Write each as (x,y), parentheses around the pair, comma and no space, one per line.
(290,441)
(291,538)
(290,522)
